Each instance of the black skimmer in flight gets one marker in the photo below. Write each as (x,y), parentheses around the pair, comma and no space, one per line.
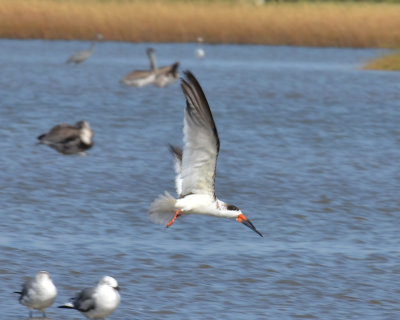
(195,166)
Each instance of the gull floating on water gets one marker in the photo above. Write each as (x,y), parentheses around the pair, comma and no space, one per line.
(69,139)
(38,293)
(161,77)
(195,166)
(98,302)
(83,55)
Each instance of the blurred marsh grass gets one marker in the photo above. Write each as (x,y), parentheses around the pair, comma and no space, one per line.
(387,62)
(242,22)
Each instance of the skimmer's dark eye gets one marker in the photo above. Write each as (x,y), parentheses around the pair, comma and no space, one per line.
(232,207)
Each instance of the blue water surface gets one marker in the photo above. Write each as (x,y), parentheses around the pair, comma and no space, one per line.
(310,151)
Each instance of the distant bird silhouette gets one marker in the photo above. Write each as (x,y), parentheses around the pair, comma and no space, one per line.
(98,302)
(69,139)
(83,55)
(38,293)
(160,77)
(200,53)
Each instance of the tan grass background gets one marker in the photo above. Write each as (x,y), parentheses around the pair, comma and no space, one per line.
(305,24)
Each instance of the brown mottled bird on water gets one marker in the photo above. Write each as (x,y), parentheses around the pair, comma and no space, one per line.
(69,139)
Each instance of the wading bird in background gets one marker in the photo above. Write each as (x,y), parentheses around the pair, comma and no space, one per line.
(83,55)
(38,293)
(69,139)
(195,166)
(161,77)
(167,75)
(141,78)
(98,302)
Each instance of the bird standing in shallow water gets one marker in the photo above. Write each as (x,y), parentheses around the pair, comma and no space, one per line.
(141,78)
(98,302)
(195,166)
(85,54)
(69,139)
(159,76)
(38,293)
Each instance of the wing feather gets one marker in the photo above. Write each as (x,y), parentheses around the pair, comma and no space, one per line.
(201,142)
(84,301)
(177,152)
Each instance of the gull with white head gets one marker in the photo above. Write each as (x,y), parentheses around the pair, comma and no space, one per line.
(98,302)
(38,293)
(195,166)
